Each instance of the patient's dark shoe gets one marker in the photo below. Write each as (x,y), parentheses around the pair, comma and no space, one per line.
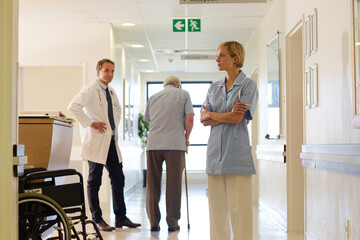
(127,223)
(174,229)
(103,226)
(155,229)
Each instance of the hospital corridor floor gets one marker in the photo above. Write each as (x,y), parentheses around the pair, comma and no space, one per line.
(264,227)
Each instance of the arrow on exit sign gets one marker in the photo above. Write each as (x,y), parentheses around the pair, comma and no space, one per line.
(179,25)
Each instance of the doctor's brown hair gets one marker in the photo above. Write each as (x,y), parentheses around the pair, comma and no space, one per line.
(235,49)
(102,61)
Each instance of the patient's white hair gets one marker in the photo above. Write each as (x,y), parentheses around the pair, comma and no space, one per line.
(172,80)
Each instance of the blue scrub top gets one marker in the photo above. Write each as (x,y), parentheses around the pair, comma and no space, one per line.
(228,149)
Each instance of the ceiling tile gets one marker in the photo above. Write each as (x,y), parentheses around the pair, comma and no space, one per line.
(154,26)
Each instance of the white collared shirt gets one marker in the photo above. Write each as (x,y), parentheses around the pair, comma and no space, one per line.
(103,86)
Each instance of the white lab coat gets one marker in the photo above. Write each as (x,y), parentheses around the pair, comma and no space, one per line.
(89,106)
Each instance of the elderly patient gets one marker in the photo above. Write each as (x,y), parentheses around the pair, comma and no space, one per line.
(170,115)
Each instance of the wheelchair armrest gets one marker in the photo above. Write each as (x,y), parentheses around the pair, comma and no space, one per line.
(32,170)
(49,174)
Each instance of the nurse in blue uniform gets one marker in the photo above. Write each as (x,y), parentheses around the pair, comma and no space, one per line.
(229,105)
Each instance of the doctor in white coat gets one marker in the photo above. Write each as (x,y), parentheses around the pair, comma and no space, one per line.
(98,111)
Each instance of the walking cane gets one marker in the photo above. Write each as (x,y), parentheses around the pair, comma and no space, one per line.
(187,197)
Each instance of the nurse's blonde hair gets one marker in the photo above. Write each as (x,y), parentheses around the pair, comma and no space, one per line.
(235,49)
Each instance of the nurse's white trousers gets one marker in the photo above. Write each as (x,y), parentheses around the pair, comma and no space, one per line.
(230,206)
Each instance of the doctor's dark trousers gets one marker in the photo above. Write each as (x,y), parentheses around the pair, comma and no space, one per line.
(117,179)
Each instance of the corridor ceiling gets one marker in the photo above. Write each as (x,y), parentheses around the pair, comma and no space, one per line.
(166,50)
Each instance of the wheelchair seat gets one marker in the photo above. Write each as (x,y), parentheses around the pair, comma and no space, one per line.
(48,203)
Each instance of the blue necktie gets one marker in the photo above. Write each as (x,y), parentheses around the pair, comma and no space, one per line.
(110,109)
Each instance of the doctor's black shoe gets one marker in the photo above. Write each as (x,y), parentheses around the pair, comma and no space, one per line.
(127,223)
(103,226)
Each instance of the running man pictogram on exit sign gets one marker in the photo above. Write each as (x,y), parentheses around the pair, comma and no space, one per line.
(194,25)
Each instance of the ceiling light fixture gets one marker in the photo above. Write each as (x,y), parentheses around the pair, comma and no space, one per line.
(149,71)
(144,60)
(137,45)
(128,24)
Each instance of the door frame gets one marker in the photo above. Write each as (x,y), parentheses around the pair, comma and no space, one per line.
(294,127)
(9,15)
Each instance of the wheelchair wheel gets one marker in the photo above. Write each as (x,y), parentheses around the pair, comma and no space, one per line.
(39,214)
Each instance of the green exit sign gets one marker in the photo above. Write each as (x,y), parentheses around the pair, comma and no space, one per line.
(179,25)
(194,25)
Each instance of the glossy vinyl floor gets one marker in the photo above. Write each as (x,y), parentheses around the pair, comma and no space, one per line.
(264,227)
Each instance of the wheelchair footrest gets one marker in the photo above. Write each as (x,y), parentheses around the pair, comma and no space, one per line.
(58,228)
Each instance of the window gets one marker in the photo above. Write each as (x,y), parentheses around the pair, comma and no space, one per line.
(152,88)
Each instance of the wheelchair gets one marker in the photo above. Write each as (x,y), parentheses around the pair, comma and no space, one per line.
(47,206)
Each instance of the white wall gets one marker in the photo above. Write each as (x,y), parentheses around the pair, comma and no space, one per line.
(256,56)
(64,45)
(129,95)
(330,198)
(271,175)
(47,88)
